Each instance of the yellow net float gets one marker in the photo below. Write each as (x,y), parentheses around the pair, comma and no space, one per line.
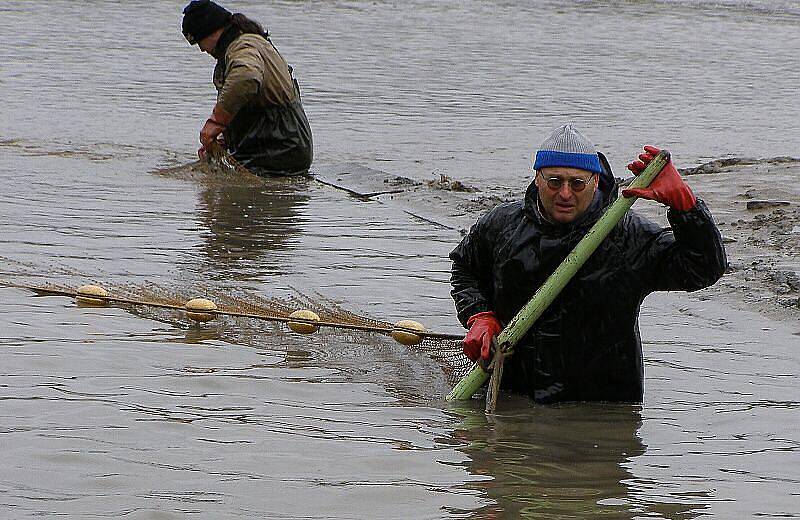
(195,308)
(303,327)
(85,293)
(404,332)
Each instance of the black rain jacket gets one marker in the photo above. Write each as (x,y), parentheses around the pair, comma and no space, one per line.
(586,345)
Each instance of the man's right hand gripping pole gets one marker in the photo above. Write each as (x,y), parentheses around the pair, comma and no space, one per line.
(483,327)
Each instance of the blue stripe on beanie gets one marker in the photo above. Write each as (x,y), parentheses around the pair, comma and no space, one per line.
(584,161)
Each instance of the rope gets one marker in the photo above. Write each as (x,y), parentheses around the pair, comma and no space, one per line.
(381,329)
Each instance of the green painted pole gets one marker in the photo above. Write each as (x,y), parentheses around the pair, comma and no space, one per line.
(551,288)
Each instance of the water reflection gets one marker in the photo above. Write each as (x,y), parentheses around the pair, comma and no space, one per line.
(557,462)
(244,223)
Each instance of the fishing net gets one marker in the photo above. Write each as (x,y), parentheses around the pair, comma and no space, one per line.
(167,304)
(249,310)
(218,168)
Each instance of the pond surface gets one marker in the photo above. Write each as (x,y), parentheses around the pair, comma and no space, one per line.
(107,413)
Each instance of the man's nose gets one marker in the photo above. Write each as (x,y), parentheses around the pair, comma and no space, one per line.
(565,191)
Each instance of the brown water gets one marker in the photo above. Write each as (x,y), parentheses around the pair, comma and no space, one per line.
(106,413)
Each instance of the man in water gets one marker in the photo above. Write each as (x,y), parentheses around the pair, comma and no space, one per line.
(586,345)
(258,116)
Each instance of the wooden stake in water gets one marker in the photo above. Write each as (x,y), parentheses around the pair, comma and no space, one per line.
(550,289)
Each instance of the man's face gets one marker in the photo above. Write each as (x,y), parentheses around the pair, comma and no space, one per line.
(209,43)
(567,202)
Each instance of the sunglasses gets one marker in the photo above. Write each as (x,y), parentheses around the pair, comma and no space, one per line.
(577,184)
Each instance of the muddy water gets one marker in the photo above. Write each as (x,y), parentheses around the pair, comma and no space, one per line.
(105,413)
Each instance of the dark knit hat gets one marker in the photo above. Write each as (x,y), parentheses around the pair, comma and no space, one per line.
(203,17)
(567,147)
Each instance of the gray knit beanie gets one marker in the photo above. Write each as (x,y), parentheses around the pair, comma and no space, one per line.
(567,147)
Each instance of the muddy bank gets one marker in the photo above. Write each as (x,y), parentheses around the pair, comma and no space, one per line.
(757,207)
(755,202)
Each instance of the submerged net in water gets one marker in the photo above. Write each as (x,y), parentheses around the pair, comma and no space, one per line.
(169,304)
(217,168)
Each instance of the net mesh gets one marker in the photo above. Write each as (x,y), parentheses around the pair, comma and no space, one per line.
(446,353)
(148,299)
(218,168)
(166,304)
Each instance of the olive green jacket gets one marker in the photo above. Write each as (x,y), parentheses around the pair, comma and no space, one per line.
(252,71)
(269,133)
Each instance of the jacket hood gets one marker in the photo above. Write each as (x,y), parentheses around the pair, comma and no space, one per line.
(230,33)
(228,36)
(606,193)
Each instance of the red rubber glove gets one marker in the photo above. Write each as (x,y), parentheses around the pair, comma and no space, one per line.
(215,125)
(482,328)
(202,152)
(667,188)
